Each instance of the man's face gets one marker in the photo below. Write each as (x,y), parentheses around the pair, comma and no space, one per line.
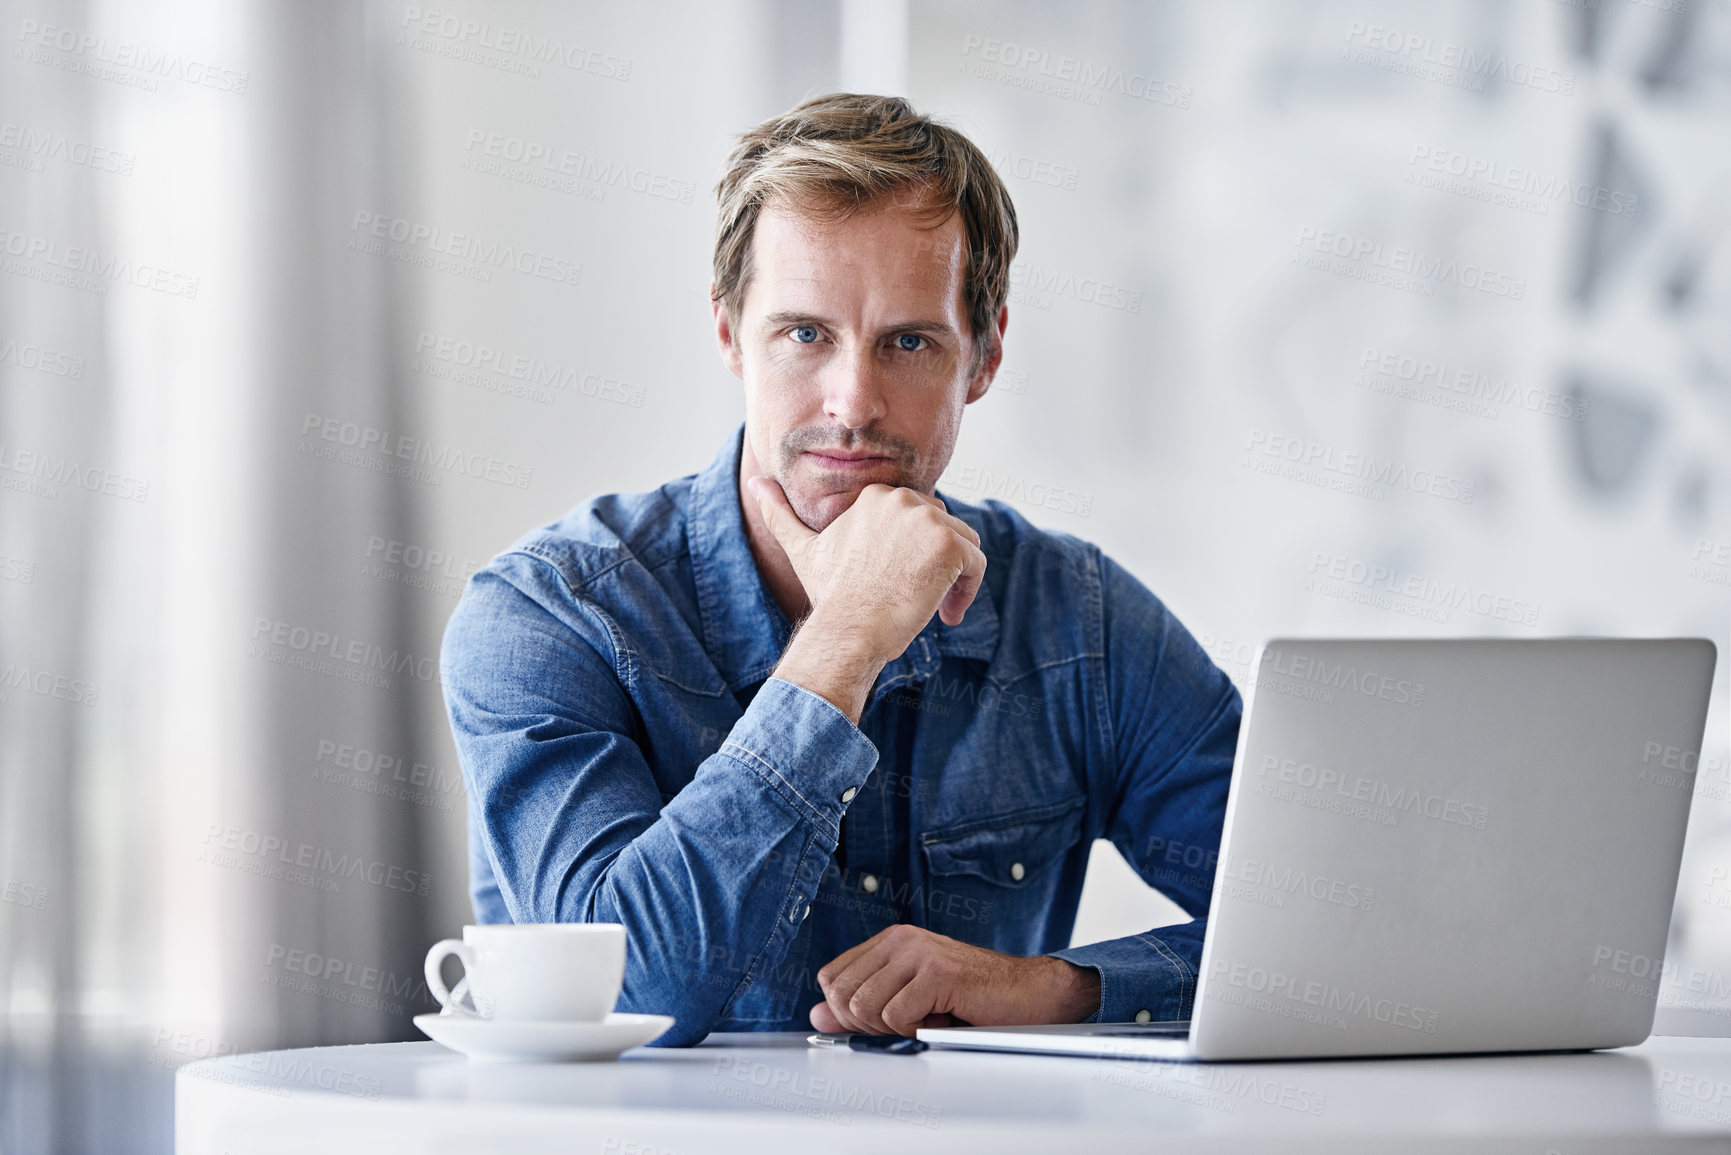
(853,343)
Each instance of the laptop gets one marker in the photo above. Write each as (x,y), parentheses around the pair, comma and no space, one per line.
(1436,847)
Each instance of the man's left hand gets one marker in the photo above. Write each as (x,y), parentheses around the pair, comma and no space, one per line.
(905,977)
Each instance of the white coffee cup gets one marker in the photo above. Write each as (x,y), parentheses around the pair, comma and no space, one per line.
(567,971)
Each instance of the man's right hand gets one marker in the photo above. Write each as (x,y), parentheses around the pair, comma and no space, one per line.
(874,576)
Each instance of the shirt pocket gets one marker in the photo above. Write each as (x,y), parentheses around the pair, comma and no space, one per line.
(991,880)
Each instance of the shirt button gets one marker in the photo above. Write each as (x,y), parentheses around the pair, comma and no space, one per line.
(1016,871)
(847,795)
(869,884)
(1143,1016)
(807,913)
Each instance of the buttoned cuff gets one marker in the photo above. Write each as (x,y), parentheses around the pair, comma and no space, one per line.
(804,749)
(1145,977)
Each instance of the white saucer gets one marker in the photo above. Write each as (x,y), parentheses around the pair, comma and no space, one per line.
(543,1042)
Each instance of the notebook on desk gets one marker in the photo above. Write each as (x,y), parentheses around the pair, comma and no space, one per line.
(1436,847)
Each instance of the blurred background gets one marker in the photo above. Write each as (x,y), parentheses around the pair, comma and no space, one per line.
(1329,318)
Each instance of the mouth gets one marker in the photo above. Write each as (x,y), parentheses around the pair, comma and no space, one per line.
(845,459)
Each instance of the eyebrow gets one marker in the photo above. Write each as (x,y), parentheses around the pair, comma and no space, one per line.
(915,326)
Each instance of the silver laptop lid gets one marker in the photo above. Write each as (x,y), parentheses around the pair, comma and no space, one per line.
(1450,846)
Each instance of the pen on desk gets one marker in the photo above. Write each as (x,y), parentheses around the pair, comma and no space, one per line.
(883,1044)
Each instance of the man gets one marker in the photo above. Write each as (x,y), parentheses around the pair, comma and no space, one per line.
(832,748)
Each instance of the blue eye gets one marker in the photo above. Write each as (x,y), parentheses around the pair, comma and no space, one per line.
(805,334)
(910,342)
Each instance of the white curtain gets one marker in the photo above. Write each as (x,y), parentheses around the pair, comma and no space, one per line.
(162,527)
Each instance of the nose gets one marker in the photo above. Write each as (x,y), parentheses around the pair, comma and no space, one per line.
(853,390)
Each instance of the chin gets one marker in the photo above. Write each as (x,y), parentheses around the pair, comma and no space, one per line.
(818,512)
(822,499)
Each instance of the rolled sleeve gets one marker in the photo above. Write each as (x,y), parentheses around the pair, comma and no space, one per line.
(789,726)
(1153,972)
(711,885)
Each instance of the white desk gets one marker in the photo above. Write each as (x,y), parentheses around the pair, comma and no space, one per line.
(758,1093)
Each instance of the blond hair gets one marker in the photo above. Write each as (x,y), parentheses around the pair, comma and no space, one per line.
(839,154)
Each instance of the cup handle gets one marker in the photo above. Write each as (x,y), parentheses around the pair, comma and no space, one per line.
(436,981)
(460,993)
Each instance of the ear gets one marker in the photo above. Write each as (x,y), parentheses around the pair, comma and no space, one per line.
(724,335)
(989,363)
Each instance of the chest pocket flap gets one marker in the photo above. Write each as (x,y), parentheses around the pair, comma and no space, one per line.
(1008,849)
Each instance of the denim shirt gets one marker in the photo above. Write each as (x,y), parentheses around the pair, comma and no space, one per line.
(630,760)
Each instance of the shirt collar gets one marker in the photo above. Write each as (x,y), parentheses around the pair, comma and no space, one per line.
(744,630)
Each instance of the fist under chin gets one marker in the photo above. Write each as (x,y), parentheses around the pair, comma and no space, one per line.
(819,513)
